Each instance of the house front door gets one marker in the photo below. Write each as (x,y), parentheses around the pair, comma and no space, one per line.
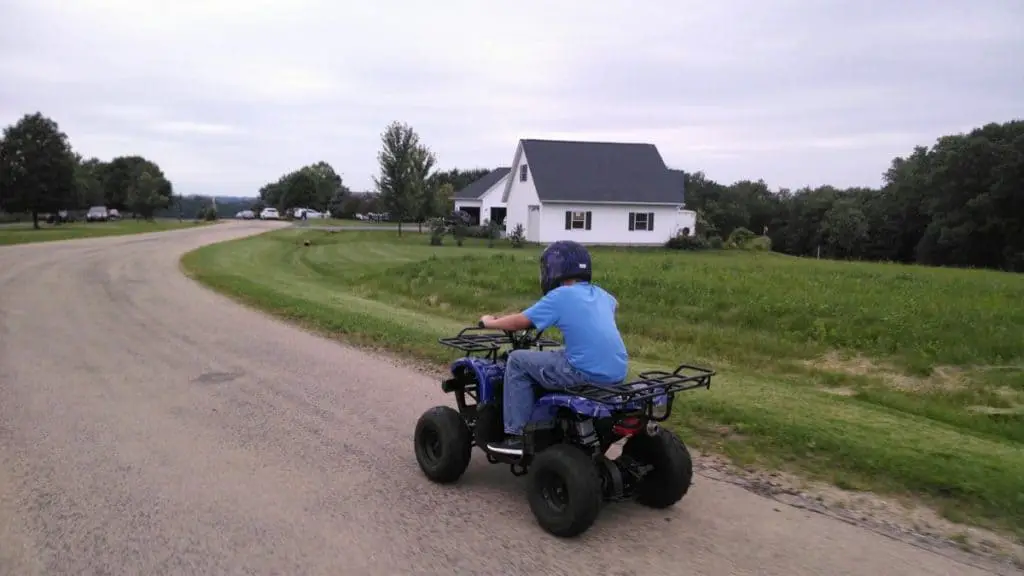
(533,224)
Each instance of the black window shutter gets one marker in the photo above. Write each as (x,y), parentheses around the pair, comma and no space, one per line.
(587,226)
(568,219)
(650,220)
(632,220)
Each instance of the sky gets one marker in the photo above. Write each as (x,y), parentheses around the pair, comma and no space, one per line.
(226,95)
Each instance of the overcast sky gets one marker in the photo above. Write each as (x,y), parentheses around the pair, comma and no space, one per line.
(228,94)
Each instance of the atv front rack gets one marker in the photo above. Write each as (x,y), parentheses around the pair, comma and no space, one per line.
(649,385)
(470,340)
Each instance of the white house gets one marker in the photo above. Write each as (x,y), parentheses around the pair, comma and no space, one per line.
(594,193)
(482,198)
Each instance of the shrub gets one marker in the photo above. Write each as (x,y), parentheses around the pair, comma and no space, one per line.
(209,214)
(686,242)
(437,231)
(518,236)
(715,242)
(493,233)
(739,237)
(743,239)
(459,231)
(759,244)
(475,231)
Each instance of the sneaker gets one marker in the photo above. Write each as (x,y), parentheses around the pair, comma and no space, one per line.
(510,446)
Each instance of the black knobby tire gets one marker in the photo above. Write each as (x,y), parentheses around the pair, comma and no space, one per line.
(564,490)
(673,468)
(443,444)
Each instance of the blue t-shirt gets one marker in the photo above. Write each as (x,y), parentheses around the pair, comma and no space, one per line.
(586,316)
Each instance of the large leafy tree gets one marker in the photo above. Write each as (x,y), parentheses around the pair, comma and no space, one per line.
(314,186)
(405,166)
(137,184)
(120,181)
(89,181)
(37,167)
(147,193)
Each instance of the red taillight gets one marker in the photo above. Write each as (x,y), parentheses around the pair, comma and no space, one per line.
(627,426)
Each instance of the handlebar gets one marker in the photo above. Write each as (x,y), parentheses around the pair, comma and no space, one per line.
(523,340)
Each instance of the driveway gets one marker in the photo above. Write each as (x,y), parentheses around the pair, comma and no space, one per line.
(149,426)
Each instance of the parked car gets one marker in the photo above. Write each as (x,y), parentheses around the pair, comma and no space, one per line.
(113,214)
(245,215)
(310,213)
(60,217)
(269,214)
(97,214)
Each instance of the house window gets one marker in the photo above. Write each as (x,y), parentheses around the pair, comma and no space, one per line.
(575,220)
(641,221)
(522,173)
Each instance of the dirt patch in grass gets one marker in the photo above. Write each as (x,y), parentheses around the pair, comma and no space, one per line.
(942,378)
(840,391)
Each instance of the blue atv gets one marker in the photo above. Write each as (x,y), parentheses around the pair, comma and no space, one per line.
(567,437)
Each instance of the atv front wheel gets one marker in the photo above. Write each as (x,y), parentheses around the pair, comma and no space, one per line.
(564,490)
(443,444)
(673,468)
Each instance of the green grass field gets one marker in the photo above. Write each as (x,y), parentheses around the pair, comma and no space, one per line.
(23,233)
(898,379)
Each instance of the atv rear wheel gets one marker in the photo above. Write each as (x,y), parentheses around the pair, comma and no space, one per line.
(673,468)
(564,490)
(443,444)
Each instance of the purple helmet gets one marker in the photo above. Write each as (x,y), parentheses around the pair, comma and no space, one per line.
(561,261)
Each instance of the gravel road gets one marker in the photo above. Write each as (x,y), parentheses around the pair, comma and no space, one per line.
(149,426)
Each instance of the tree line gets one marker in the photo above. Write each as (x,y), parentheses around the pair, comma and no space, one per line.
(959,202)
(41,173)
(409,187)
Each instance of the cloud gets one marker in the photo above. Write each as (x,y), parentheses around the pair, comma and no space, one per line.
(228,94)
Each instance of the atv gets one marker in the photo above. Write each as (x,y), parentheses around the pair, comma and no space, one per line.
(567,437)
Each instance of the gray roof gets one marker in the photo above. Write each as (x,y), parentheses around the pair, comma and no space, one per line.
(567,171)
(680,176)
(475,190)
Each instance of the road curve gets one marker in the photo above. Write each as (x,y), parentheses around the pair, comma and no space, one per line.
(149,426)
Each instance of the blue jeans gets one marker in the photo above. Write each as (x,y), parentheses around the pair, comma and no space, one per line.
(549,369)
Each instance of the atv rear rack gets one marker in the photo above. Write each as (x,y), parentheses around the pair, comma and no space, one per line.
(649,385)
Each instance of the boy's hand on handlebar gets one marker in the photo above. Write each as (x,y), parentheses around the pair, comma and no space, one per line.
(485,321)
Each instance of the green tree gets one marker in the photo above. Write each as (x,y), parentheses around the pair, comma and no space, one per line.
(329,186)
(147,193)
(844,228)
(313,186)
(405,166)
(458,178)
(426,191)
(37,167)
(121,176)
(89,175)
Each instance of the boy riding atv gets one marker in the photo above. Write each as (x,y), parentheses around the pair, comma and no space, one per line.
(593,351)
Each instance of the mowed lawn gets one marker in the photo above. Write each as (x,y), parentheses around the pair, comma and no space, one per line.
(899,379)
(23,233)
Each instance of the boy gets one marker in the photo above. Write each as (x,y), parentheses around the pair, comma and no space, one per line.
(585,314)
